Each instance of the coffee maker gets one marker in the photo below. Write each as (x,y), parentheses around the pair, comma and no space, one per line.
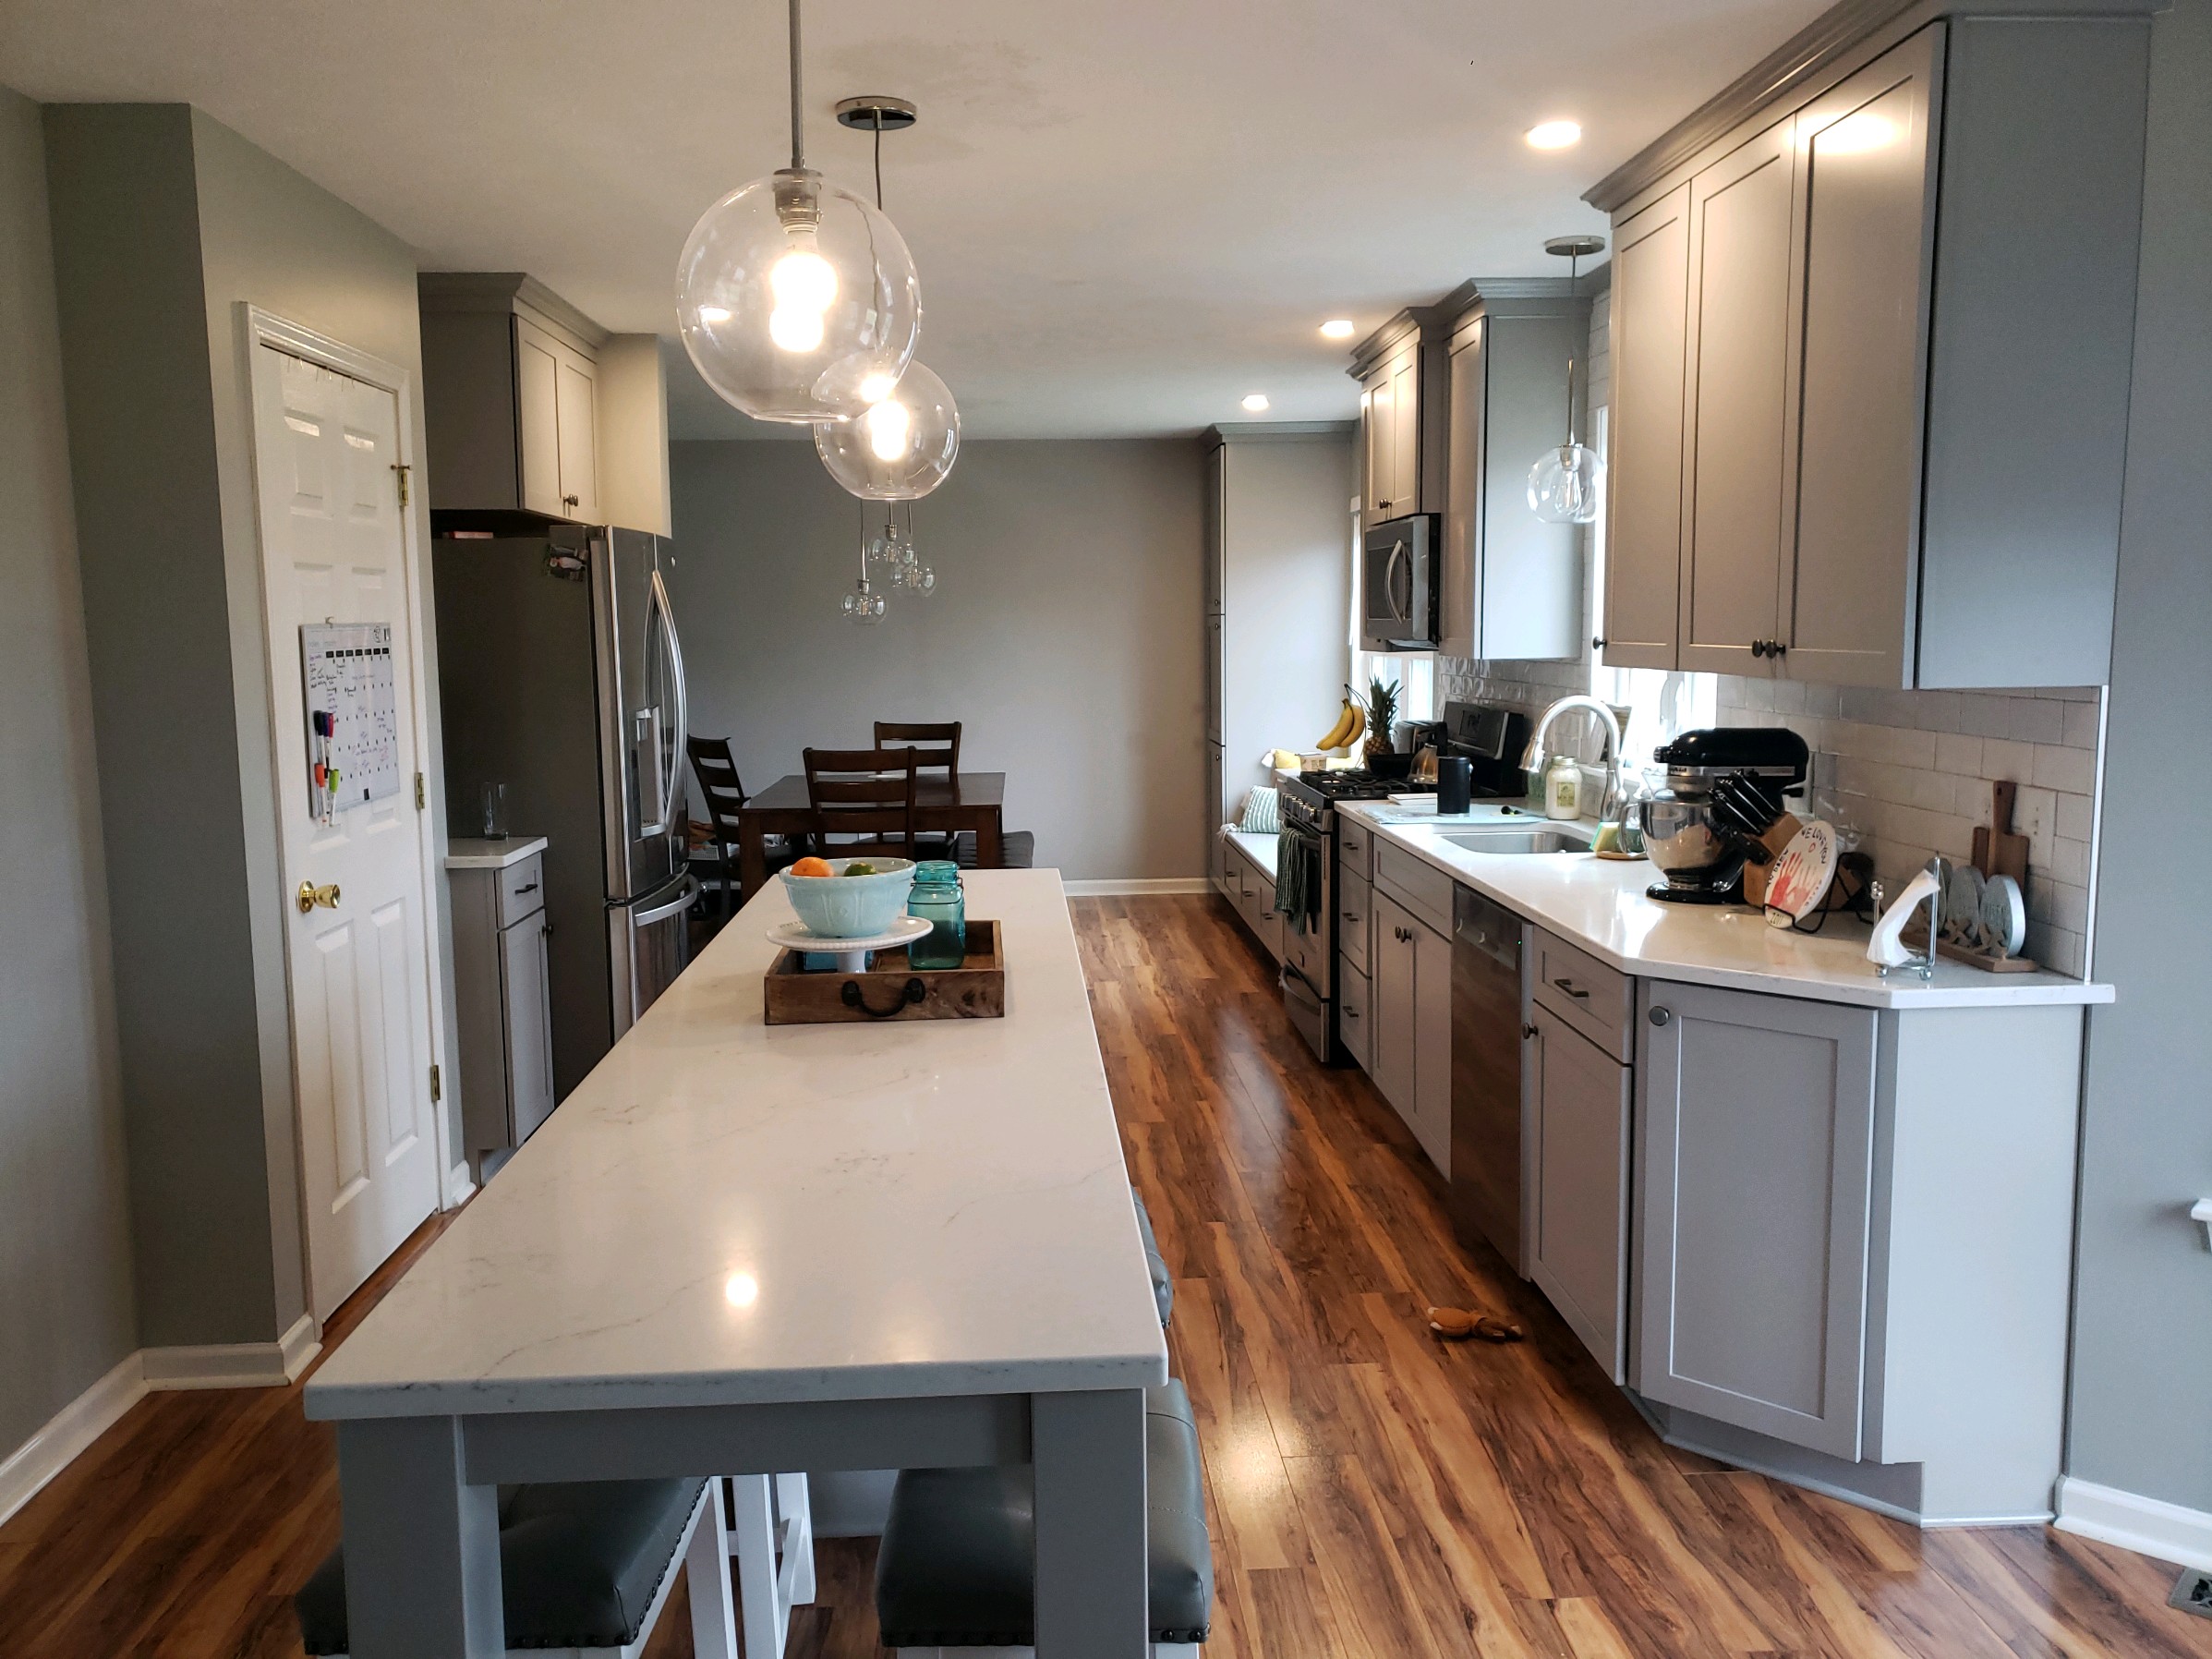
(1700,855)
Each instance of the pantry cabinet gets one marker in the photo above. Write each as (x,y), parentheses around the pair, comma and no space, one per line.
(510,398)
(1511,583)
(1871,355)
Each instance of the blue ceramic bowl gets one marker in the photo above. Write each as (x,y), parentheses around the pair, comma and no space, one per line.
(843,906)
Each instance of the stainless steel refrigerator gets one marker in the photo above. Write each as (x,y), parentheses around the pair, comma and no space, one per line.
(561,675)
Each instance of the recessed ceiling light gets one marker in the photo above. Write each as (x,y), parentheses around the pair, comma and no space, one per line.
(1554,135)
(1336,328)
(1256,402)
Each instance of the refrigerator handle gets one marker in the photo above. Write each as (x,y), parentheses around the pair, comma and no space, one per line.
(661,780)
(674,779)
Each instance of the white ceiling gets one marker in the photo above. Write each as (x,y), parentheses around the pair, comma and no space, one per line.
(1127,215)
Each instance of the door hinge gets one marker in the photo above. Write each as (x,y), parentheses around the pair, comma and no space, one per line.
(437,1085)
(421,796)
(401,468)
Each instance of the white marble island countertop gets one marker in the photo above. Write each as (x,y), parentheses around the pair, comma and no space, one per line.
(1601,905)
(725,1213)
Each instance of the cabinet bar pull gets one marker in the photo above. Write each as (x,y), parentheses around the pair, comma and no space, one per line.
(1568,987)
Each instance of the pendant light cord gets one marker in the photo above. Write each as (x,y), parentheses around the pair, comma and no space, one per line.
(1574,269)
(879,161)
(798,98)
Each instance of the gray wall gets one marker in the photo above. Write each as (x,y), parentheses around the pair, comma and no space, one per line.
(1067,632)
(2143,1310)
(65,1308)
(162,221)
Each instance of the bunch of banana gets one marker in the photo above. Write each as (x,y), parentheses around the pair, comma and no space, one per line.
(1348,726)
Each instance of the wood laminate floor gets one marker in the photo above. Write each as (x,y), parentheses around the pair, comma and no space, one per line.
(1372,1493)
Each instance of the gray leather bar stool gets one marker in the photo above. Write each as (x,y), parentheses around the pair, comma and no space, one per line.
(586,1567)
(956,1572)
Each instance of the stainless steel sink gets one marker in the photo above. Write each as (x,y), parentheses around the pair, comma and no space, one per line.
(1517,840)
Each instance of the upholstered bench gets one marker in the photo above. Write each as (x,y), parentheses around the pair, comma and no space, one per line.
(1163,1287)
(585,1569)
(956,1569)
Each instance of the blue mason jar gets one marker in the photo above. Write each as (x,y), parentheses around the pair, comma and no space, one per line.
(937,899)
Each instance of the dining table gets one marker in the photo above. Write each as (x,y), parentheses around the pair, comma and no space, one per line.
(944,805)
(745,1249)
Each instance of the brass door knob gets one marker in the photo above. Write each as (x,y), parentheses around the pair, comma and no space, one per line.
(309,896)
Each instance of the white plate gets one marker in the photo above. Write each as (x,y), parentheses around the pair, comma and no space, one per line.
(903,931)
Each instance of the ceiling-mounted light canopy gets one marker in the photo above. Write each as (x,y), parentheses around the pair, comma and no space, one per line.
(902,447)
(796,298)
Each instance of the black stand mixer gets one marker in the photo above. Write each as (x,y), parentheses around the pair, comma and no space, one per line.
(1722,782)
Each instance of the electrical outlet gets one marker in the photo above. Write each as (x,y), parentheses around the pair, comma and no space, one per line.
(2193,1593)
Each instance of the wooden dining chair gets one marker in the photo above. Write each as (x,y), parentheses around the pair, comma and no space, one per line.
(936,744)
(716,771)
(862,801)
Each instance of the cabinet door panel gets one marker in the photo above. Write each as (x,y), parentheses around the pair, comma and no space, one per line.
(1218,538)
(1579,1197)
(538,415)
(1756,1138)
(1432,1045)
(1377,439)
(1460,576)
(578,410)
(1393,1030)
(529,1025)
(1866,160)
(1741,266)
(1643,532)
(1405,432)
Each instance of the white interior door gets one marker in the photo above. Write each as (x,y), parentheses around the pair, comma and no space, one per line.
(333,551)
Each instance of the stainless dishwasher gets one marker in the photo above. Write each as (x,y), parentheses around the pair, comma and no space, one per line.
(1487,1038)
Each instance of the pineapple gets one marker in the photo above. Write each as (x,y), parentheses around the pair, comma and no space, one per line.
(1382,717)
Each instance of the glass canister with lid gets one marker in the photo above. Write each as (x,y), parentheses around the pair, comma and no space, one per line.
(938,899)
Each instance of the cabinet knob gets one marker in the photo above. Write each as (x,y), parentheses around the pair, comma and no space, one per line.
(1776,648)
(1660,1016)
(1597,645)
(1528,1032)
(572,501)
(1759,647)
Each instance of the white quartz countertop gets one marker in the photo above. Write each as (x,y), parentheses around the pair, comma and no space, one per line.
(1601,905)
(478,853)
(726,1213)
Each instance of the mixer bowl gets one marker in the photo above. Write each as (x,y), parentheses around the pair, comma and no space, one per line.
(1687,843)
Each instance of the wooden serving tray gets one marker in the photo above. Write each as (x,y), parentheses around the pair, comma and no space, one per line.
(890,990)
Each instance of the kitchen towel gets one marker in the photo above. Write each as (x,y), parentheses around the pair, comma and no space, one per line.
(1298,880)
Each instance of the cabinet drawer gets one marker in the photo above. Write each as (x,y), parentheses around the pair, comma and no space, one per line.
(1421,888)
(1355,1015)
(1225,867)
(1595,1000)
(1265,923)
(1355,849)
(522,889)
(1355,922)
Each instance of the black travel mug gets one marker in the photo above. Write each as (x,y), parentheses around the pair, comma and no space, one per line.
(1454,776)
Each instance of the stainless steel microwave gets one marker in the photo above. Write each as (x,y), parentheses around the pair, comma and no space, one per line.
(1398,585)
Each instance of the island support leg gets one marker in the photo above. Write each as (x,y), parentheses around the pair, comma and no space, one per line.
(422,1546)
(1089,1451)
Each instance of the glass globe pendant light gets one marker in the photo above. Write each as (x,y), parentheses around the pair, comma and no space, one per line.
(902,447)
(1567,483)
(797,299)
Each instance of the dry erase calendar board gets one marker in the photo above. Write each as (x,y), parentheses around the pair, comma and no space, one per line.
(347,668)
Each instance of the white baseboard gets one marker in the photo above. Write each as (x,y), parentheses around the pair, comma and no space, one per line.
(234,1364)
(2149,1526)
(1127,886)
(68,1432)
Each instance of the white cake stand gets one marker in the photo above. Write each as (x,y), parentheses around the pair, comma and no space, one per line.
(851,953)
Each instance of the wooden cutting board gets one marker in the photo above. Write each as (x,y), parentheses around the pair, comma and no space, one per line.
(1996,850)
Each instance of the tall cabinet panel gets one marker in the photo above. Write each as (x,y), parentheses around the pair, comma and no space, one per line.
(1741,264)
(1867,157)
(1756,1142)
(1643,564)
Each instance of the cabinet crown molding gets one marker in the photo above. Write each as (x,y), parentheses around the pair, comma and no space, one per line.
(505,291)
(1834,44)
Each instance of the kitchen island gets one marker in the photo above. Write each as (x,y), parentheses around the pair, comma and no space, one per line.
(1818,1221)
(738,1249)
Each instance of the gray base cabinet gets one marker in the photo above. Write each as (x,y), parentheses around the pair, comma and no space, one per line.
(1578,1196)
(501,999)
(1412,1043)
(1755,1145)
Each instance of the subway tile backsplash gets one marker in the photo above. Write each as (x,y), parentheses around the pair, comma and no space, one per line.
(1908,772)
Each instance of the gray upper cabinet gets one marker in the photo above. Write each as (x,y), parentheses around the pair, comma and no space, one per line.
(1643,567)
(1392,426)
(1511,583)
(510,397)
(1740,301)
(1756,1118)
(1907,319)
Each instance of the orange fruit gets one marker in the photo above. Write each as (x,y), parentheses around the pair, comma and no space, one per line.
(811,866)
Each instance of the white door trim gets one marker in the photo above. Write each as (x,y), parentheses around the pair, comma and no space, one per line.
(259,328)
